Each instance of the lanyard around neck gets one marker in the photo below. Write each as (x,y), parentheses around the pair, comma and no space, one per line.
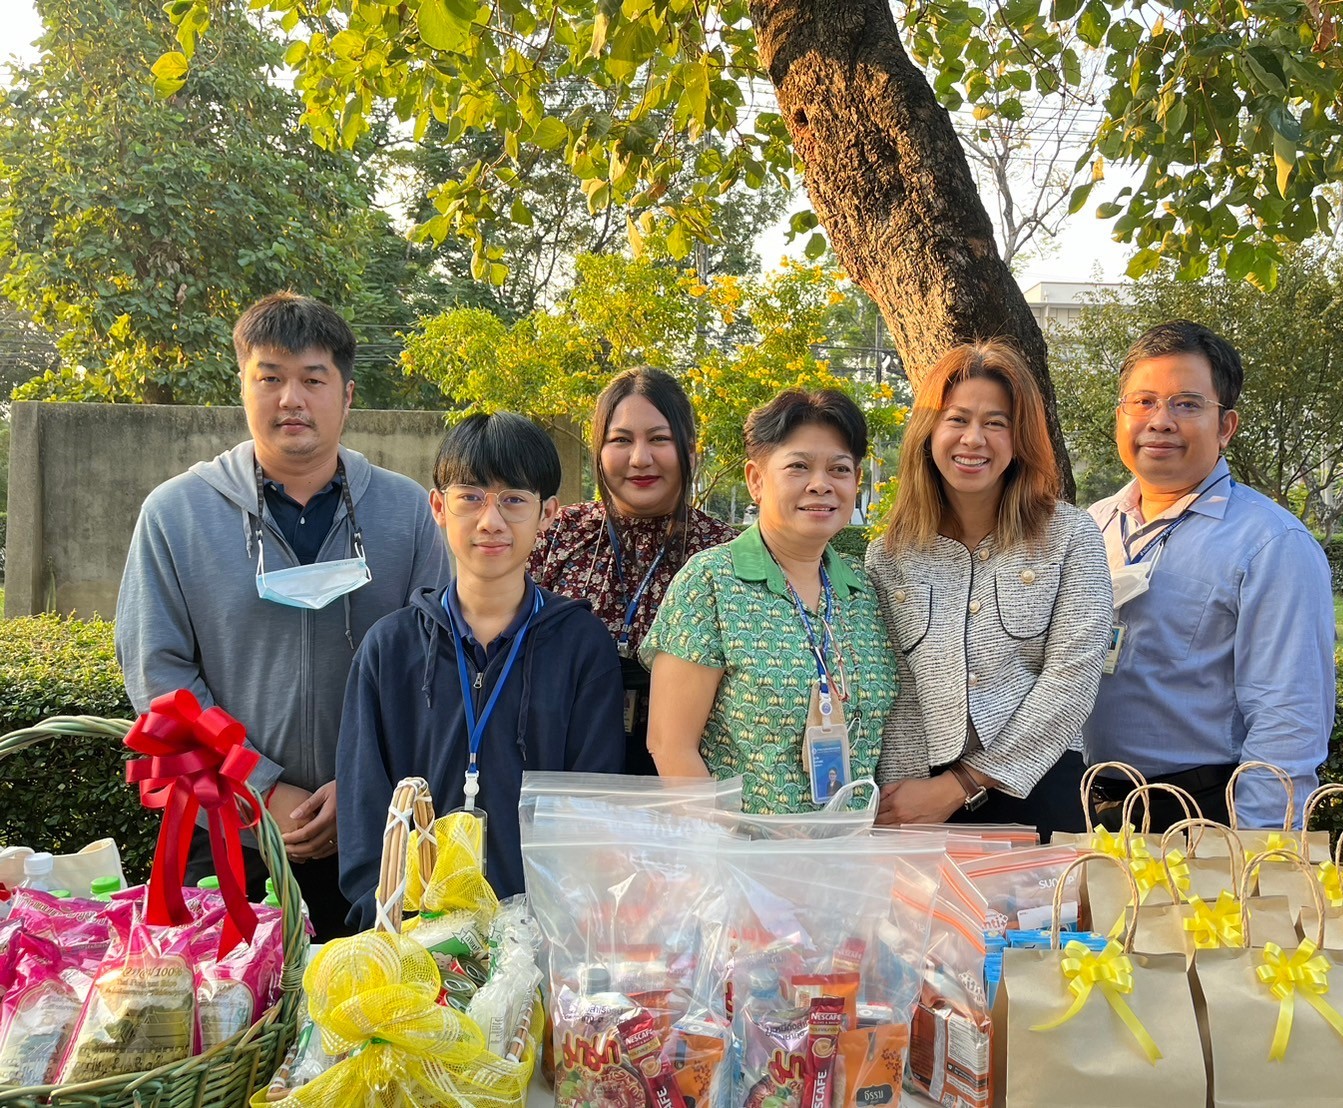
(1162,536)
(475,726)
(631,602)
(344,493)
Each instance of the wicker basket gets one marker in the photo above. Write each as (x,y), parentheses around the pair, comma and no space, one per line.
(226,1075)
(488,1081)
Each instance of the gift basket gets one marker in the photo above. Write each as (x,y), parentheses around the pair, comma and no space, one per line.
(192,759)
(438,1003)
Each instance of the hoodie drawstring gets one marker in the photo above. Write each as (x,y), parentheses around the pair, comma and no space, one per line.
(430,663)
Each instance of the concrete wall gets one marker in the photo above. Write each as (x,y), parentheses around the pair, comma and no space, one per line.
(78,474)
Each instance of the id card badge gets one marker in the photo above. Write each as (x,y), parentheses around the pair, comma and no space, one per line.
(825,749)
(1117,632)
(476,825)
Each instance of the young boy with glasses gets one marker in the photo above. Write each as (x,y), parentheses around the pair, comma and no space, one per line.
(480,680)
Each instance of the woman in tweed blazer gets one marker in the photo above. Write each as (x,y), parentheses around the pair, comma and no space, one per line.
(997,597)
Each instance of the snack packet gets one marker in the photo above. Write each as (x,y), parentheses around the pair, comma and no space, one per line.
(38,1011)
(140,1012)
(1019,886)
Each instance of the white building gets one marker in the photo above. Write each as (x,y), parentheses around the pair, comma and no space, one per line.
(1058,304)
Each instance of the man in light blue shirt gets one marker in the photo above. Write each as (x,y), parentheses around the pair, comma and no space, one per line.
(1223,637)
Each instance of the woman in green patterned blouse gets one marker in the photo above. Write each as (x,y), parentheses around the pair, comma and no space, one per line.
(769,656)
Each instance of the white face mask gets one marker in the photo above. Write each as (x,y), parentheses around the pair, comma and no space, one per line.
(312,586)
(1130,582)
(316,585)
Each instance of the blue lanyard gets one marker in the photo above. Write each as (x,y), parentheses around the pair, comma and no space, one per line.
(632,602)
(1160,541)
(821,650)
(475,727)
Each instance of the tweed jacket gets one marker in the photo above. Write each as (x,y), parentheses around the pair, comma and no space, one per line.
(1012,640)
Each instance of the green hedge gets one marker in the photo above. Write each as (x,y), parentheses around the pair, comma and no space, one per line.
(61,795)
(1333,550)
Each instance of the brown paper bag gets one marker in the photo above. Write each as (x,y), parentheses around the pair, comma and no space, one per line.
(1058,1044)
(1308,926)
(1257,840)
(1084,841)
(1292,882)
(1208,910)
(1274,1031)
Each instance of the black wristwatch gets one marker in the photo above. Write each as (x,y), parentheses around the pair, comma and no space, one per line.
(976,795)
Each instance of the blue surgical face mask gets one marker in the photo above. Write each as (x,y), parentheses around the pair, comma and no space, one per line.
(312,586)
(316,585)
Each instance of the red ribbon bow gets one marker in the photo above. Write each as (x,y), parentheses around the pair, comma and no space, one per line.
(195,759)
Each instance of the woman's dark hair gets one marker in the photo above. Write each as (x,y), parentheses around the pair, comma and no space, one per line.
(1181,336)
(503,449)
(772,423)
(664,392)
(293,323)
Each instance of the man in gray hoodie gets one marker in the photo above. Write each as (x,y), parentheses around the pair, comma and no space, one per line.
(252,578)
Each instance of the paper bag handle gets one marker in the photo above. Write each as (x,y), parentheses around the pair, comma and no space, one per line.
(1233,850)
(1312,802)
(1187,802)
(1081,860)
(1283,777)
(1128,771)
(1281,856)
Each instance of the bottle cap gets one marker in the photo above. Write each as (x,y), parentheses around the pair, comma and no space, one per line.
(210,882)
(38,865)
(594,979)
(61,894)
(105,885)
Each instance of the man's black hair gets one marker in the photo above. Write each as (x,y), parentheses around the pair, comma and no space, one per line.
(500,449)
(1181,336)
(293,323)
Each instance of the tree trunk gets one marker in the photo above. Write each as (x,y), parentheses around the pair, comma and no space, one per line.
(892,187)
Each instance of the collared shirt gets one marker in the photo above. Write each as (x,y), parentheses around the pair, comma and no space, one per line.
(1228,657)
(1011,641)
(729,608)
(304,526)
(482,656)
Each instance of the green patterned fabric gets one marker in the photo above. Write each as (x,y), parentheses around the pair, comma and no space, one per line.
(729,608)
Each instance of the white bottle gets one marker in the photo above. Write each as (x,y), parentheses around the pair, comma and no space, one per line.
(37,872)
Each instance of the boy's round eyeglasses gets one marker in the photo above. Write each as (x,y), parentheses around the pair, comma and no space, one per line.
(515,505)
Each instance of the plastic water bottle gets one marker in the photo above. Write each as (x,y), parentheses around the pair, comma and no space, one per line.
(37,872)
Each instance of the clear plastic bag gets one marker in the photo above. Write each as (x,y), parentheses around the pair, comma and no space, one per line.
(630,919)
(826,958)
(1019,886)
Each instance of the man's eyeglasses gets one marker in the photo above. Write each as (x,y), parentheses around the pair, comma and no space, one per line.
(1183,405)
(515,505)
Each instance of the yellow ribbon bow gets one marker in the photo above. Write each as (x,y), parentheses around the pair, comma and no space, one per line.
(1104,841)
(1332,880)
(1217,924)
(1275,840)
(1112,972)
(1305,973)
(1149,874)
(374,998)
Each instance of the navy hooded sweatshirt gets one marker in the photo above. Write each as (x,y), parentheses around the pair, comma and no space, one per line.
(560,709)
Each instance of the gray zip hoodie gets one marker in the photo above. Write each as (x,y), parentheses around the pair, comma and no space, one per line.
(188,614)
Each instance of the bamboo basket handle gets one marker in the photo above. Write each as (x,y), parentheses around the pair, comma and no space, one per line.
(1081,860)
(1187,802)
(1284,779)
(1312,802)
(1316,894)
(412,807)
(1233,849)
(1089,778)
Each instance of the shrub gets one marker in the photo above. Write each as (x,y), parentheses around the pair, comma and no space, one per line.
(1329,814)
(58,795)
(852,540)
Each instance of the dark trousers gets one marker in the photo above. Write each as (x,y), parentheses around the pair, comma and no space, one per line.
(1055,804)
(1206,784)
(319,881)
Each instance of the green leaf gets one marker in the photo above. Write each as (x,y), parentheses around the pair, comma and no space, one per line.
(446,24)
(520,214)
(1094,21)
(1079,198)
(1063,10)
(1284,157)
(815,246)
(1281,119)
(550,134)
(1108,210)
